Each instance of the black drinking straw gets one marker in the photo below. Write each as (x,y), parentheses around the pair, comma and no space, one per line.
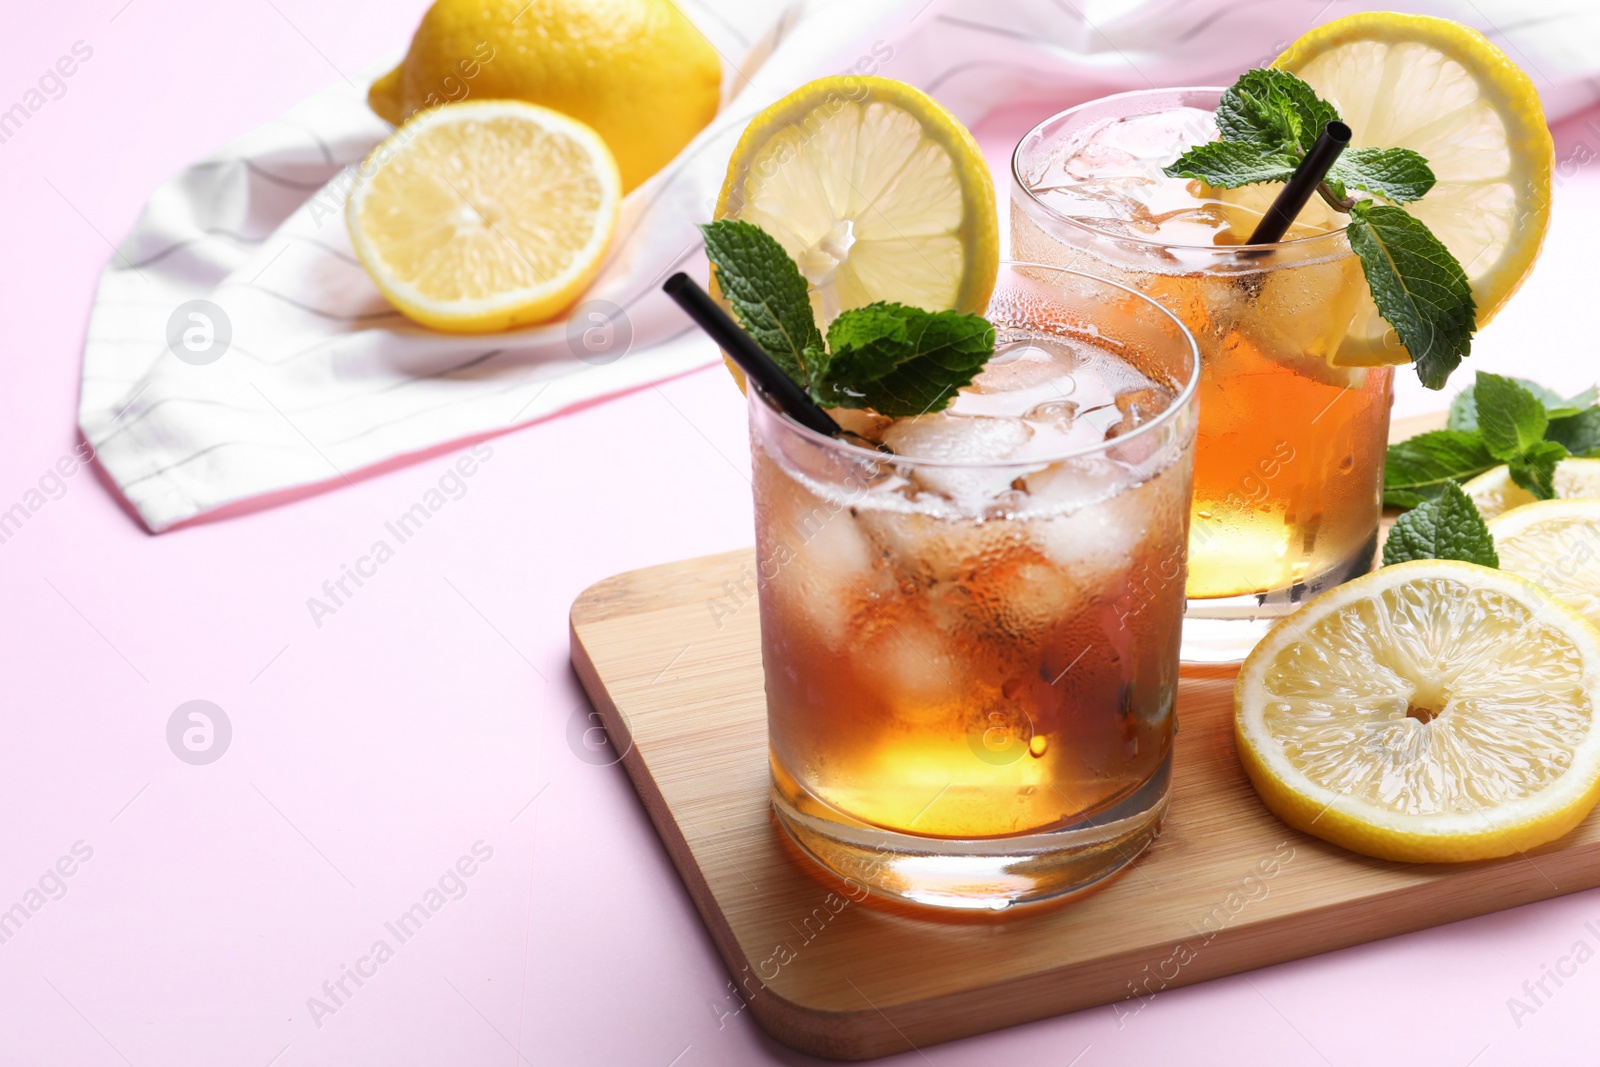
(767,375)
(1298,189)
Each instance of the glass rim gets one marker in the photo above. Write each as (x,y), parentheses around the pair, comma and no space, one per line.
(1231,250)
(1180,402)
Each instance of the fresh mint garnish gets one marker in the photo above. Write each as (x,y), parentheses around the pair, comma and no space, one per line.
(1510,417)
(901,360)
(1399,175)
(1273,109)
(895,359)
(1268,120)
(1535,468)
(1417,469)
(767,293)
(1418,286)
(1464,407)
(1446,527)
(1513,422)
(1230,164)
(1579,434)
(1499,420)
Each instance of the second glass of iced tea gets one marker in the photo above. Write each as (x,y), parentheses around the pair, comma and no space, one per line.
(1289,463)
(971,642)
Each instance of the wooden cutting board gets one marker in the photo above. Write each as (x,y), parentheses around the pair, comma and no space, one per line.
(1226,888)
(671,658)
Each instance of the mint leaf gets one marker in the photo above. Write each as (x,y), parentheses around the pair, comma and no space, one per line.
(1463,412)
(1464,409)
(1579,434)
(1585,399)
(1447,527)
(1535,469)
(1273,109)
(1396,174)
(1418,469)
(1418,286)
(1510,417)
(768,294)
(1230,164)
(901,360)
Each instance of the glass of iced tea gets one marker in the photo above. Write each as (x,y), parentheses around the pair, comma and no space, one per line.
(1288,477)
(971,640)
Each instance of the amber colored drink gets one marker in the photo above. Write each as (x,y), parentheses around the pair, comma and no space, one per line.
(1289,464)
(971,646)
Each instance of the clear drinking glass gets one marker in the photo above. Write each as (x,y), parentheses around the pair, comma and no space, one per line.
(1288,479)
(971,664)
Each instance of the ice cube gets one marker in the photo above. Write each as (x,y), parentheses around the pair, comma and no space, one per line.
(1024,365)
(1057,416)
(868,424)
(1023,374)
(1098,521)
(1137,407)
(815,559)
(960,439)
(837,560)
(914,665)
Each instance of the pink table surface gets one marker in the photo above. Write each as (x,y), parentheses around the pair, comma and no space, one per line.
(435,711)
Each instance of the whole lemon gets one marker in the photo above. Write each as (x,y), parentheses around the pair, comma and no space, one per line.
(637,71)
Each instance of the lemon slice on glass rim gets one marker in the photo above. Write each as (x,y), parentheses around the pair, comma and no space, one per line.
(875,190)
(1443,90)
(485,215)
(1495,493)
(1430,711)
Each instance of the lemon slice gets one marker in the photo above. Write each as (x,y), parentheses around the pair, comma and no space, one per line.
(1556,544)
(1495,493)
(485,215)
(1441,89)
(1429,711)
(876,191)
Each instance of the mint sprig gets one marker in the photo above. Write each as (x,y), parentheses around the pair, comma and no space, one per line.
(1273,109)
(894,359)
(1230,164)
(901,360)
(767,292)
(1499,420)
(1416,470)
(1267,121)
(1399,175)
(1417,285)
(1446,527)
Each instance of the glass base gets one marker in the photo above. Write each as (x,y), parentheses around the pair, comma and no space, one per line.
(1221,631)
(986,874)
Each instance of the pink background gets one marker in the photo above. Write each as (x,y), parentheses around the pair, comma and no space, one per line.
(372,752)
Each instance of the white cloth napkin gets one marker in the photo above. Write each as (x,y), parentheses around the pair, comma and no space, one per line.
(237,354)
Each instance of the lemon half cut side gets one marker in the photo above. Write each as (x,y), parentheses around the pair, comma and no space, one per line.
(485,215)
(1430,711)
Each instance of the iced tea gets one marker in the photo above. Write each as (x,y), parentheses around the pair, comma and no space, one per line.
(1289,463)
(971,644)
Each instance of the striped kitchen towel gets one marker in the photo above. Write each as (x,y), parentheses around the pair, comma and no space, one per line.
(237,354)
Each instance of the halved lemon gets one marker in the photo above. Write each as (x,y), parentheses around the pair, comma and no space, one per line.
(1430,711)
(485,215)
(875,190)
(1441,89)
(1556,544)
(1495,493)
